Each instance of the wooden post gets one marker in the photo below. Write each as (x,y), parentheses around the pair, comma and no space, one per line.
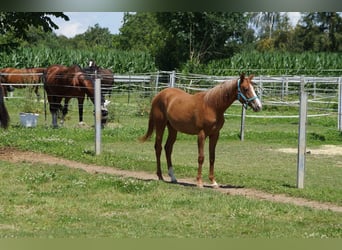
(98,116)
(301,140)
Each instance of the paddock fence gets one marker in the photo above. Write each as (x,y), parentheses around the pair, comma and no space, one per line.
(324,93)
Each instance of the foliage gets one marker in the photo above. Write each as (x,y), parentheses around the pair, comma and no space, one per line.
(205,35)
(95,37)
(17,24)
(319,31)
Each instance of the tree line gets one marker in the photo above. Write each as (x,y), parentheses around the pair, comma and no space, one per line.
(178,39)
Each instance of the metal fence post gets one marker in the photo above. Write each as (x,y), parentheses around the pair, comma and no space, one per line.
(242,127)
(172,79)
(301,139)
(98,114)
(339,115)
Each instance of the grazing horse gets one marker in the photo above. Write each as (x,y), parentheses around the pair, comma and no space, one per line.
(4,117)
(69,82)
(16,77)
(201,114)
(106,76)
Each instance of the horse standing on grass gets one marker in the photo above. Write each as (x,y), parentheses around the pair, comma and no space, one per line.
(201,114)
(4,117)
(18,77)
(106,76)
(69,82)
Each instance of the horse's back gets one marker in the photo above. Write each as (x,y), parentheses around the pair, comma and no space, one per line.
(176,96)
(22,75)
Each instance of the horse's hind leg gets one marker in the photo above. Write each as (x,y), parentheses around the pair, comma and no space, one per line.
(168,151)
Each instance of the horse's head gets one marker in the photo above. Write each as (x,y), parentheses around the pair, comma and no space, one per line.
(246,93)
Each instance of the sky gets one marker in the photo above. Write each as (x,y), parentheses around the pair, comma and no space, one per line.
(81,21)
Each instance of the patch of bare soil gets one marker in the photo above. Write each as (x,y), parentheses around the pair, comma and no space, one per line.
(324,150)
(16,156)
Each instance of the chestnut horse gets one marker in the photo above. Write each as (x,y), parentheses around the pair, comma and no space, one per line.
(17,77)
(201,114)
(69,82)
(4,117)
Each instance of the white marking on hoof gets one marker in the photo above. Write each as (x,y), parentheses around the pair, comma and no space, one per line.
(215,185)
(171,174)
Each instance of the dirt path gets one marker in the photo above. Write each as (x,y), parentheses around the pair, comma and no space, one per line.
(16,156)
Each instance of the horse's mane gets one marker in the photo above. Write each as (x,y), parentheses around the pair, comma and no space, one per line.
(219,94)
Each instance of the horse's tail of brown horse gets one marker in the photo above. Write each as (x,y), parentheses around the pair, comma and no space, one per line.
(4,116)
(149,129)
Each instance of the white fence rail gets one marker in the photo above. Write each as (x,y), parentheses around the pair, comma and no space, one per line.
(273,90)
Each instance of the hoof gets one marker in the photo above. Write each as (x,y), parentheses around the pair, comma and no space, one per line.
(199,184)
(174,181)
(215,185)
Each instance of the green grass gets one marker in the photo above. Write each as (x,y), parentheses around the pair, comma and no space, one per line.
(42,201)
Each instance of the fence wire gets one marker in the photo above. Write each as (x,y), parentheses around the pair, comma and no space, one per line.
(136,89)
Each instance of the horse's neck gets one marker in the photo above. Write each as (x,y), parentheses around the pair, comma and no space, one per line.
(223,96)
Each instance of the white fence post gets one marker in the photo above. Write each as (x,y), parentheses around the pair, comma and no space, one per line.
(301,139)
(172,79)
(242,127)
(339,114)
(98,116)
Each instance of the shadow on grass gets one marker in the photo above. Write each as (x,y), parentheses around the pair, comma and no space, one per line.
(188,184)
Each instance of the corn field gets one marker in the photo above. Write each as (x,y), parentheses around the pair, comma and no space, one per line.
(117,61)
(276,63)
(128,62)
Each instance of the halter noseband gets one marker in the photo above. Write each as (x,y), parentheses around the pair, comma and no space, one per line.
(246,100)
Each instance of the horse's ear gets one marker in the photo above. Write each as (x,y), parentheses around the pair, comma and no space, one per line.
(242,76)
(251,77)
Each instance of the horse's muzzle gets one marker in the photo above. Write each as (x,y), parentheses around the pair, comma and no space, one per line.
(104,116)
(256,105)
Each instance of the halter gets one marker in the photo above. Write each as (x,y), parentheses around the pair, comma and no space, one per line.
(246,100)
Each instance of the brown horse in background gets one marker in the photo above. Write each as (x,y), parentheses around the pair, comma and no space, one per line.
(4,117)
(18,77)
(201,114)
(106,76)
(69,82)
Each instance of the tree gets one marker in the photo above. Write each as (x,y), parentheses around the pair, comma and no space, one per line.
(319,31)
(94,37)
(265,22)
(140,31)
(14,26)
(203,36)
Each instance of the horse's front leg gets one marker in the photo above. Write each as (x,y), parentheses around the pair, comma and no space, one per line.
(200,144)
(65,109)
(212,146)
(168,151)
(80,109)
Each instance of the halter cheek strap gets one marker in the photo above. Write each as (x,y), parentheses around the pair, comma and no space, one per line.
(244,98)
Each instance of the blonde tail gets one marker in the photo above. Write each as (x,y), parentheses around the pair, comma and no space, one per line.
(149,130)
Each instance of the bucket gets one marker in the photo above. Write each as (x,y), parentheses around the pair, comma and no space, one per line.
(28,120)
